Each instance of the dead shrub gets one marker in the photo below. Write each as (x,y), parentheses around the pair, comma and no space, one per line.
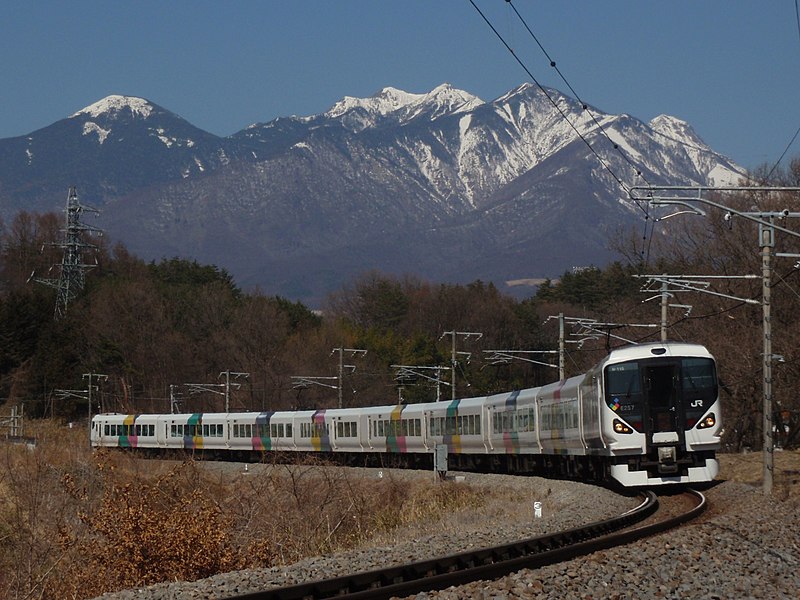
(76,523)
(146,531)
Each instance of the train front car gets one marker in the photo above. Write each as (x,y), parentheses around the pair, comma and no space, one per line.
(661,414)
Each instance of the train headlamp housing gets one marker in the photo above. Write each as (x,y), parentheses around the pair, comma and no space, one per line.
(620,427)
(708,421)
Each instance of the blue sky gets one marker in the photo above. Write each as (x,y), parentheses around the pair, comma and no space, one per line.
(731,68)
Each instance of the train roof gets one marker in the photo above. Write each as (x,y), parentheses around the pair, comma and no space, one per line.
(655,349)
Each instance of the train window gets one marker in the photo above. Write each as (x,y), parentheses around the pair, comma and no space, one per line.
(699,383)
(288,430)
(273,430)
(340,429)
(623,379)
(623,392)
(697,374)
(380,428)
(106,429)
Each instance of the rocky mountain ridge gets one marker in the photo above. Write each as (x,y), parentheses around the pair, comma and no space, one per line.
(440,185)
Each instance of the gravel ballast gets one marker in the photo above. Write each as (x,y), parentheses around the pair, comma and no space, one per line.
(744,546)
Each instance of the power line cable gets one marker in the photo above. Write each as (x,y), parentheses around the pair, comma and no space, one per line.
(555,104)
(583,104)
(585,107)
(796,133)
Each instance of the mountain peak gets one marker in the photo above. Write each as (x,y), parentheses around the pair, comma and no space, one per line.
(112,106)
(392,101)
(455,99)
(673,127)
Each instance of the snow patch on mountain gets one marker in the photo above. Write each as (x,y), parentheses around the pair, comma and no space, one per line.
(169,141)
(89,128)
(112,106)
(723,176)
(622,144)
(676,129)
(404,106)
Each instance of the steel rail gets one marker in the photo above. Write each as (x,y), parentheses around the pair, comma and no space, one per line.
(487,563)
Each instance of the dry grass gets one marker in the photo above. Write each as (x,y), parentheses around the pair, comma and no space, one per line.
(749,468)
(75,524)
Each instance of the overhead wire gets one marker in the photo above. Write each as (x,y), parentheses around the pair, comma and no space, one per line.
(550,99)
(796,133)
(585,107)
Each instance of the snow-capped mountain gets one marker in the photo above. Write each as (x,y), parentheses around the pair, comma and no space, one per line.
(441,184)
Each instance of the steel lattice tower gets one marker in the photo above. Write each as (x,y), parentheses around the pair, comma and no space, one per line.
(72,276)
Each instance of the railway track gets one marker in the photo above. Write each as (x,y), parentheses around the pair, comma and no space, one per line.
(498,561)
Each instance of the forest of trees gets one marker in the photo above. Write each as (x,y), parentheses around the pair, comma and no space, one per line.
(154,327)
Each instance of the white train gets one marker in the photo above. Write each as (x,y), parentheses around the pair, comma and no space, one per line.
(646,415)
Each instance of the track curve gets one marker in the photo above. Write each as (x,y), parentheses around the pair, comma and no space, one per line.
(491,563)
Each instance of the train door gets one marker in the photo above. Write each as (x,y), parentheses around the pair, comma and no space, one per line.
(663,397)
(664,413)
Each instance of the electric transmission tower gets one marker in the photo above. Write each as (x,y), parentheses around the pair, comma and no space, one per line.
(72,276)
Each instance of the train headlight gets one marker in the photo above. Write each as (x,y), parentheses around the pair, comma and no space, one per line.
(708,421)
(620,427)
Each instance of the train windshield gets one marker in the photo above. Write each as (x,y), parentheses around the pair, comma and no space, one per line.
(699,383)
(624,392)
(671,388)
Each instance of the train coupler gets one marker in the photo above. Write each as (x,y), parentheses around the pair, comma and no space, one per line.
(667,460)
